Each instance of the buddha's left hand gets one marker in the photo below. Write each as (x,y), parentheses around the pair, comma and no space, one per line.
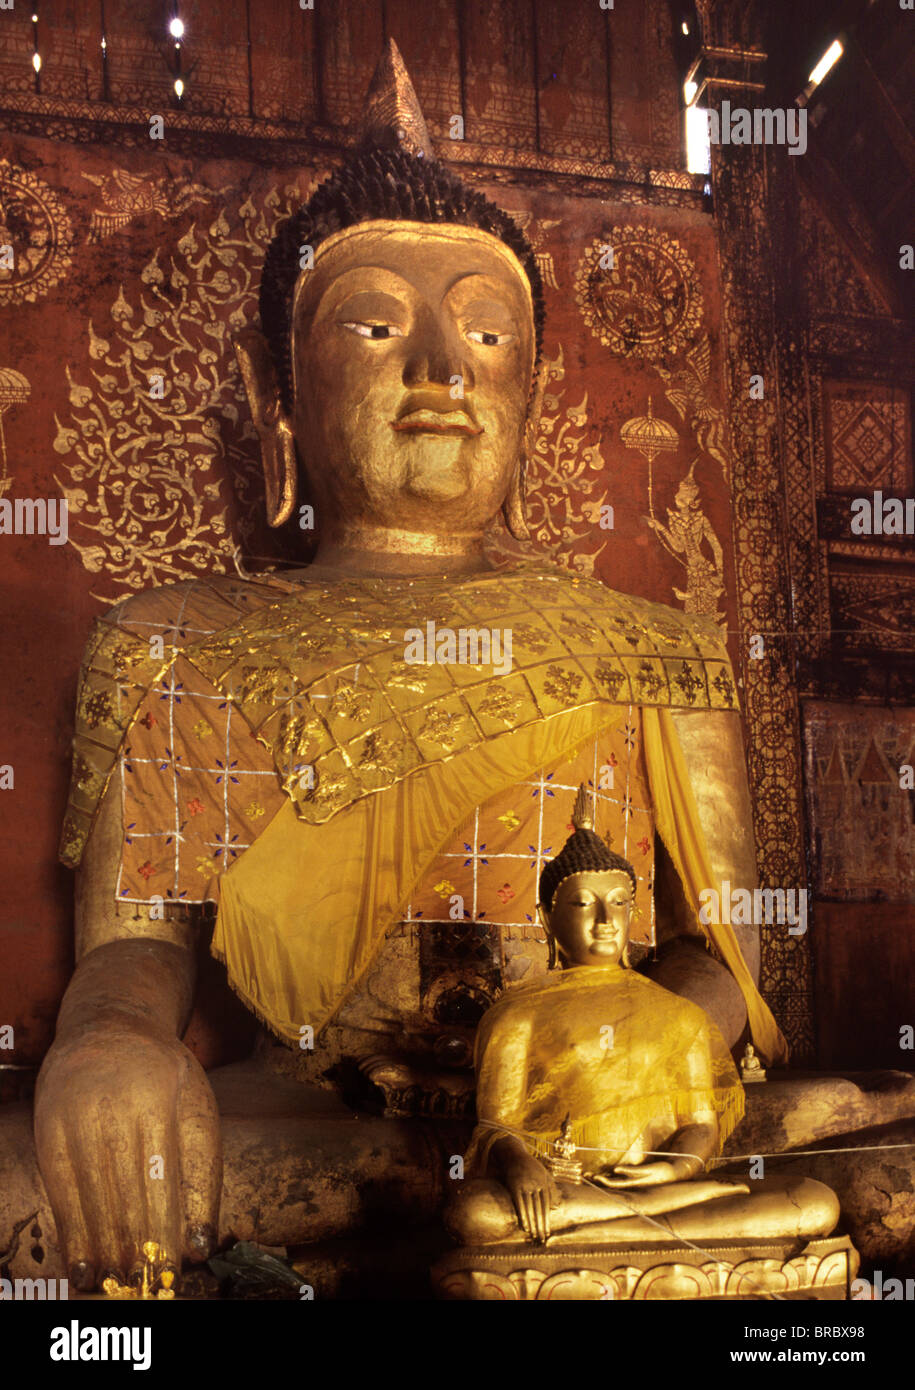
(663,1170)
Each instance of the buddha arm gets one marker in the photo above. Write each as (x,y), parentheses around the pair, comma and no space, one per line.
(713,750)
(712,746)
(685,1154)
(532,1188)
(126,1125)
(100,918)
(126,982)
(692,1147)
(501,1090)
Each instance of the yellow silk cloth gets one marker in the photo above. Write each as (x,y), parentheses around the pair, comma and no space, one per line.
(494,859)
(677,822)
(332,679)
(303,911)
(628,1062)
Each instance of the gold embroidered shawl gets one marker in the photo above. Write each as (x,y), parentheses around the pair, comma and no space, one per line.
(319,674)
(400,753)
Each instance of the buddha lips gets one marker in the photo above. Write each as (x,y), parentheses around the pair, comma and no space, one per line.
(434,422)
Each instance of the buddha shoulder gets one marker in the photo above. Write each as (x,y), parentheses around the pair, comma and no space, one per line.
(642,617)
(127,650)
(188,611)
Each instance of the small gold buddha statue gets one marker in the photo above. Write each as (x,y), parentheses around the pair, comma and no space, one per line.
(561,1161)
(595,1065)
(751,1068)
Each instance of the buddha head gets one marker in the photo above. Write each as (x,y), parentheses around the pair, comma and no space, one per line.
(393,380)
(586,897)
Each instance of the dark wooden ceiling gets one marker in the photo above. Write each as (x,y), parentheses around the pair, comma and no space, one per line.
(860,165)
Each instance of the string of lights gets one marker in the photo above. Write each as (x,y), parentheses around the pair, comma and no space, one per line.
(176,31)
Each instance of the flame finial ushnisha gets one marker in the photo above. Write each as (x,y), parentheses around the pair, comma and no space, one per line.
(393,118)
(583,852)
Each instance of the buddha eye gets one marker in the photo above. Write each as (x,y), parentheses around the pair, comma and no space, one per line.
(479,335)
(375,330)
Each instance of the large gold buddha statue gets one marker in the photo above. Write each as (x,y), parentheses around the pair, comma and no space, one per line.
(601,1096)
(275,746)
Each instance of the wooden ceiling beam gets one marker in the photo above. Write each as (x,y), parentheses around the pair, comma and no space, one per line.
(835,201)
(901,138)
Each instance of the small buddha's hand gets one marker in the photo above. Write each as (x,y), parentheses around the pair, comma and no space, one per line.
(128,1141)
(533,1191)
(677,1169)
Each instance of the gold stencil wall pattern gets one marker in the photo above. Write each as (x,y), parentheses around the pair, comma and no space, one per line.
(158,432)
(563,476)
(35,227)
(15,389)
(639,293)
(123,197)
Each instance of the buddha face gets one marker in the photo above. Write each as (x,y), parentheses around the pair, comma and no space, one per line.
(412,355)
(589,919)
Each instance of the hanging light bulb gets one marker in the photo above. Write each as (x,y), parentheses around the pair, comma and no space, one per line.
(179,88)
(829,59)
(698,151)
(176,28)
(36,61)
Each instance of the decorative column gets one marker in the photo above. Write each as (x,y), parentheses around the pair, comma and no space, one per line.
(732,67)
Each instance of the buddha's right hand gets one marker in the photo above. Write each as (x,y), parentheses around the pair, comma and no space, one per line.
(128,1141)
(532,1189)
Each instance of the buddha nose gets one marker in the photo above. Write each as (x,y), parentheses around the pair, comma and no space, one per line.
(435,355)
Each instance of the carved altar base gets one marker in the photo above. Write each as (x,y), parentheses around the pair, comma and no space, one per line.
(739,1269)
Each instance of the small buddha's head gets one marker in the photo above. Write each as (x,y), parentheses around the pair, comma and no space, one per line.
(586,897)
(402,317)
(589,917)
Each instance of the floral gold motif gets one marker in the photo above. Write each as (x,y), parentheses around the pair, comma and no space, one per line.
(35,223)
(14,390)
(647,303)
(558,470)
(141,474)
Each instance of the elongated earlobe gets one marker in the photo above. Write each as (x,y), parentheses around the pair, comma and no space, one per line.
(278,458)
(553,961)
(277,441)
(513,506)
